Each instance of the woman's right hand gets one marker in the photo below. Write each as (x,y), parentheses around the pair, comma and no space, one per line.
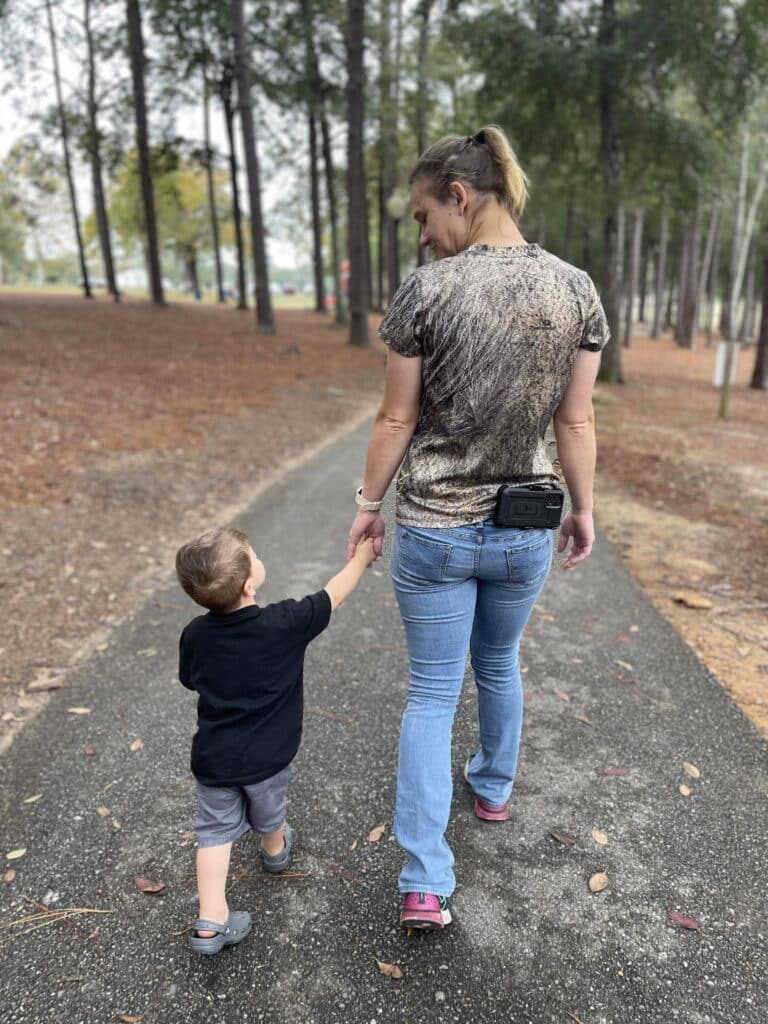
(366,525)
(579,528)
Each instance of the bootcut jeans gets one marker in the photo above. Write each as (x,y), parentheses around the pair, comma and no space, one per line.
(459,589)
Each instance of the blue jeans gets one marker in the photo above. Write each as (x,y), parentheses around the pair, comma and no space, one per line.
(459,589)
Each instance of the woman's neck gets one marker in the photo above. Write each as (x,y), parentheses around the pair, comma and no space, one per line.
(494,226)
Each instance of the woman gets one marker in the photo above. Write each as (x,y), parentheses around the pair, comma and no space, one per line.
(487,345)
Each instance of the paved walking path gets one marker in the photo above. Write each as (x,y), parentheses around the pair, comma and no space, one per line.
(530,942)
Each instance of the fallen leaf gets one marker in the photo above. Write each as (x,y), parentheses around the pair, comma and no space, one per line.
(598,882)
(103,811)
(622,638)
(563,696)
(354,845)
(684,790)
(391,970)
(187,835)
(623,664)
(577,661)
(561,837)
(692,600)
(137,745)
(16,854)
(683,920)
(691,770)
(8,716)
(116,824)
(634,629)
(524,671)
(616,771)
(584,719)
(32,799)
(376,833)
(147,652)
(45,680)
(599,837)
(93,934)
(79,711)
(147,885)
(9,875)
(131,1018)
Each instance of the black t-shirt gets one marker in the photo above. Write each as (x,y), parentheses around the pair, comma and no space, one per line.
(247,668)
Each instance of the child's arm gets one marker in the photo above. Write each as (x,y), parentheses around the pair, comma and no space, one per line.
(343,583)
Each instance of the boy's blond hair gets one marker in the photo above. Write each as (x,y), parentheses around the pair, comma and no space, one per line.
(213,567)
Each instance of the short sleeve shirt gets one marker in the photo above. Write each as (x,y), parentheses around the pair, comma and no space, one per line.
(498,330)
(247,669)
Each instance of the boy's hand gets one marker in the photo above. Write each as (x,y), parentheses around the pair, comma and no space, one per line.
(366,525)
(365,552)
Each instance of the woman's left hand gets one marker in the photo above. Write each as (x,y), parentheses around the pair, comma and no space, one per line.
(365,525)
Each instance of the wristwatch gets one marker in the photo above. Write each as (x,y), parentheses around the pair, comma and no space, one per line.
(366,506)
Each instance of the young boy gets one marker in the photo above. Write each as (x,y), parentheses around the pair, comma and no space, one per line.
(246,665)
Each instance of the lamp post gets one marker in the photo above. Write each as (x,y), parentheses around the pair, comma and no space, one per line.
(397,207)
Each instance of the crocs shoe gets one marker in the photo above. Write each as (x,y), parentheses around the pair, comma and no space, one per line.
(485,811)
(277,862)
(238,926)
(425,910)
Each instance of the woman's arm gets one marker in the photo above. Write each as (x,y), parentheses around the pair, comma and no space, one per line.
(392,432)
(574,424)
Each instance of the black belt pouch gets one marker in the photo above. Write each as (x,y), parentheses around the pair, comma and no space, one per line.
(537,506)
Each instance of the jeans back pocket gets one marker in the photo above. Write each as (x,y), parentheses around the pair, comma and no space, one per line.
(529,562)
(422,558)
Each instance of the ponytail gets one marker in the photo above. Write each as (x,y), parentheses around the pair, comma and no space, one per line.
(484,162)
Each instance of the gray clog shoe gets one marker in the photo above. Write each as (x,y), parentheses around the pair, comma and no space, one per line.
(275,863)
(238,926)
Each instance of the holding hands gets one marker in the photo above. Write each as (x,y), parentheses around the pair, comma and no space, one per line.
(367,526)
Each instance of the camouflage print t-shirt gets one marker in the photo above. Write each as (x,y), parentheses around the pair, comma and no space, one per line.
(498,330)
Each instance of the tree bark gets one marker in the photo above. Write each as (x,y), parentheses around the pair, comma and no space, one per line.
(422,96)
(313,98)
(661,272)
(759,378)
(225,87)
(190,263)
(94,151)
(644,266)
(357,232)
(689,283)
(714,286)
(340,311)
(634,267)
(747,328)
(611,160)
(64,131)
(211,191)
(136,48)
(265,321)
(706,263)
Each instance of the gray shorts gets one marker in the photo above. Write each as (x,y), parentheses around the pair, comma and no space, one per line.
(224,813)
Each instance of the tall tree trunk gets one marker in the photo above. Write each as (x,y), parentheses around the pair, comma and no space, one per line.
(706,262)
(94,150)
(211,190)
(388,144)
(190,264)
(714,285)
(634,267)
(689,285)
(745,221)
(682,282)
(317,233)
(644,268)
(381,235)
(611,160)
(422,95)
(136,48)
(225,93)
(340,311)
(64,131)
(265,321)
(746,330)
(357,232)
(760,372)
(661,272)
(313,101)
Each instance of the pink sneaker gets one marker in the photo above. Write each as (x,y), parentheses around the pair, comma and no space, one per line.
(425,910)
(484,811)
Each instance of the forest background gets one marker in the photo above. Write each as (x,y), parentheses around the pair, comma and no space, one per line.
(253,155)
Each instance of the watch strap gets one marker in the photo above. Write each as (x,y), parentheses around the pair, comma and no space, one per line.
(364,504)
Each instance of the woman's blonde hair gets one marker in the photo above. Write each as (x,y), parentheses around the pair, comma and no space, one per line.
(485,162)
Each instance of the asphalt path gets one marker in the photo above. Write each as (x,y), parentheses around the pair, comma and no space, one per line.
(530,942)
